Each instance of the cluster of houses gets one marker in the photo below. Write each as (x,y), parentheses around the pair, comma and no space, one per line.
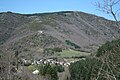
(52,61)
(46,61)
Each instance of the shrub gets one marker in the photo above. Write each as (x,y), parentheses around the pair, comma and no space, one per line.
(32,68)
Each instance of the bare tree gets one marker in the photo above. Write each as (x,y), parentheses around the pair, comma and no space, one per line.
(110,7)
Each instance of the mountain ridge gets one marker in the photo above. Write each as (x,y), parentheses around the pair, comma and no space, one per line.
(46,13)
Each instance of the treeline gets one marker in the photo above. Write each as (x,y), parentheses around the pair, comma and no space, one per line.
(104,66)
(72,44)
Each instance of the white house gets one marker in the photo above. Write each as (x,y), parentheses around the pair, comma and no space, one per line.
(36,72)
(40,32)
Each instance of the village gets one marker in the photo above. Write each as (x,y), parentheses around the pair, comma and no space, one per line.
(51,61)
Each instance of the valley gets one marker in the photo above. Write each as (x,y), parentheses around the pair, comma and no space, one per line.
(49,46)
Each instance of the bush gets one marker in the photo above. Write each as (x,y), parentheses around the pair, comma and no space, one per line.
(32,68)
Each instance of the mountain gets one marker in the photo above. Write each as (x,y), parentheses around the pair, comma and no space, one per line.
(32,33)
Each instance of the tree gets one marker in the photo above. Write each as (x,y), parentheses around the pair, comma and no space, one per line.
(108,6)
(105,66)
(60,68)
(109,54)
(85,69)
(48,71)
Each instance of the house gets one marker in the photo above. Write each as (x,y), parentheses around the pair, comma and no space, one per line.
(36,72)
(40,32)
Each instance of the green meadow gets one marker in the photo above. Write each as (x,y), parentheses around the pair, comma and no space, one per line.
(72,53)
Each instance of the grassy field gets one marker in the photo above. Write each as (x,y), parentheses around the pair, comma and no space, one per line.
(71,53)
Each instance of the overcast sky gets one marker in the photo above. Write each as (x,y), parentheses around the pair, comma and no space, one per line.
(42,6)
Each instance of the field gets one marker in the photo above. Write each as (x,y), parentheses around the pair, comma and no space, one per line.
(72,53)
